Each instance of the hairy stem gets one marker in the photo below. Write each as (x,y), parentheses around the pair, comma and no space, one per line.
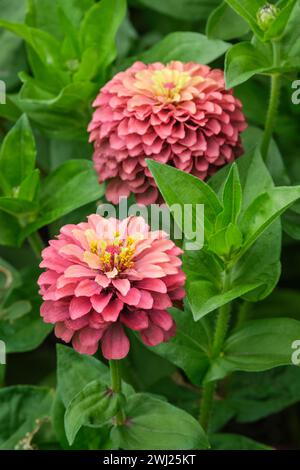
(218,342)
(116,385)
(273,103)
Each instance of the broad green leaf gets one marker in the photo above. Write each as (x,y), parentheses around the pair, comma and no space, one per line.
(185,46)
(17,207)
(75,371)
(12,57)
(235,442)
(189,10)
(86,439)
(29,187)
(69,187)
(254,396)
(265,209)
(186,191)
(20,407)
(248,9)
(99,28)
(224,23)
(154,424)
(17,155)
(93,406)
(257,346)
(45,46)
(190,348)
(64,115)
(20,324)
(244,60)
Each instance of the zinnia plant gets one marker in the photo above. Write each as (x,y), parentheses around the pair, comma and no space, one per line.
(174,326)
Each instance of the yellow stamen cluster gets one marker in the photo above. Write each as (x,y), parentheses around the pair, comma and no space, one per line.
(113,254)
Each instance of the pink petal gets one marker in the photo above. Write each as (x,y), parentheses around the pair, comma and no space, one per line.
(123,285)
(162,319)
(153,335)
(112,310)
(146,300)
(62,332)
(87,288)
(53,312)
(131,298)
(100,301)
(156,285)
(78,271)
(115,344)
(79,306)
(136,320)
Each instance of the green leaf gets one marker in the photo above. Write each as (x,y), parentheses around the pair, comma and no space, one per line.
(248,9)
(17,207)
(224,23)
(186,47)
(231,198)
(94,406)
(30,186)
(180,188)
(189,10)
(69,187)
(86,439)
(9,230)
(45,46)
(20,407)
(99,28)
(235,442)
(276,29)
(17,155)
(244,60)
(64,115)
(254,396)
(153,424)
(190,348)
(257,346)
(265,209)
(20,324)
(75,371)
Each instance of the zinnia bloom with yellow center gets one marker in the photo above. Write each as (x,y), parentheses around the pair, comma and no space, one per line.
(179,113)
(103,275)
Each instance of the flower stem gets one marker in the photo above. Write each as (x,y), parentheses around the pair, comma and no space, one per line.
(36,244)
(116,385)
(273,102)
(218,342)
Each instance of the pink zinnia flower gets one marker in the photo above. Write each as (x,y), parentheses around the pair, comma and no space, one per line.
(178,114)
(104,274)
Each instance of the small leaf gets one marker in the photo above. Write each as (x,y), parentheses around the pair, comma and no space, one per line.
(157,425)
(93,406)
(17,155)
(224,23)
(257,346)
(235,442)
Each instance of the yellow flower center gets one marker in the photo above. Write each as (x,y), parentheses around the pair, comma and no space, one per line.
(166,83)
(115,254)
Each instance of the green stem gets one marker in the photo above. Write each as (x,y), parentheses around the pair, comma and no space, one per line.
(116,385)
(218,342)
(273,103)
(36,244)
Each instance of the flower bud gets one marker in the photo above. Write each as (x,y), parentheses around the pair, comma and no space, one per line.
(266,16)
